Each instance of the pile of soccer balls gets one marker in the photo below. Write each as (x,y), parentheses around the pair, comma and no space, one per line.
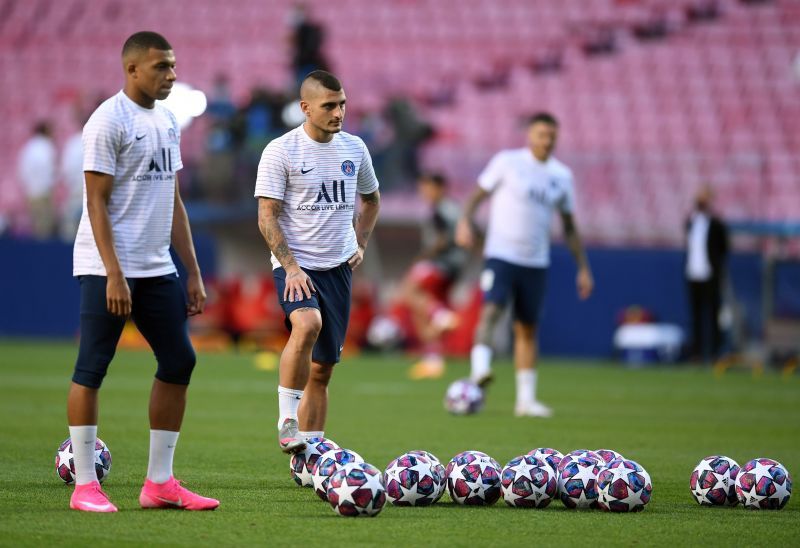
(601,479)
(762,483)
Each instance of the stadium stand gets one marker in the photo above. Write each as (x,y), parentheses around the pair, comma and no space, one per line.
(666,100)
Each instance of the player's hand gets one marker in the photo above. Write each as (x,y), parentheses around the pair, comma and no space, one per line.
(298,285)
(196,293)
(585,283)
(357,258)
(118,295)
(465,235)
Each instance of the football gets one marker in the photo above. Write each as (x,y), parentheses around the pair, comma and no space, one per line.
(356,489)
(411,480)
(549,455)
(577,481)
(608,455)
(579,454)
(764,484)
(463,397)
(713,480)
(623,486)
(528,482)
(474,479)
(438,470)
(328,463)
(301,464)
(65,466)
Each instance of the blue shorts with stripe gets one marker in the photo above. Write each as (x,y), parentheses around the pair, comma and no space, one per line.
(332,298)
(524,286)
(159,312)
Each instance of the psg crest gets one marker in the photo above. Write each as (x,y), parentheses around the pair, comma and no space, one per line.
(348,168)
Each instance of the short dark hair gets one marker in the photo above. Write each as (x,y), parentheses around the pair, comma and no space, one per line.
(326,79)
(143,41)
(436,178)
(543,117)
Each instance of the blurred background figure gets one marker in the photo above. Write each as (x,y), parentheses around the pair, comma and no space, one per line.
(399,164)
(71,174)
(307,39)
(706,257)
(426,288)
(36,169)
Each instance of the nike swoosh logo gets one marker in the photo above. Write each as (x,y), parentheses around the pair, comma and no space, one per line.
(95,506)
(178,502)
(139,138)
(304,171)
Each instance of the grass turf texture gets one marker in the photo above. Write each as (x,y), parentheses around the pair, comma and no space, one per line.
(666,419)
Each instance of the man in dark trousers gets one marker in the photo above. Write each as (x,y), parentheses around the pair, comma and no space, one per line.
(706,255)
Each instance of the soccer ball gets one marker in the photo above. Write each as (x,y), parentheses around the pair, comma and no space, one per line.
(474,479)
(438,470)
(550,456)
(410,480)
(528,482)
(608,455)
(301,464)
(623,486)
(356,489)
(579,454)
(463,397)
(460,459)
(328,463)
(764,484)
(65,466)
(713,481)
(577,481)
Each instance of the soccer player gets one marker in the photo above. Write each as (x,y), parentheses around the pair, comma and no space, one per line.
(132,213)
(525,185)
(306,188)
(425,290)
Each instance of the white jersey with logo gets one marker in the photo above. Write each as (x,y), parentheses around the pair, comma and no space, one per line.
(140,147)
(524,193)
(317,183)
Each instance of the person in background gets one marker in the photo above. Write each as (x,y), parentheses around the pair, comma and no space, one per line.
(307,39)
(71,173)
(427,285)
(525,185)
(36,169)
(706,256)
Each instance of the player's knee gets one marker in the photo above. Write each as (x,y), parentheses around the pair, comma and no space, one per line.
(90,372)
(320,374)
(306,325)
(177,369)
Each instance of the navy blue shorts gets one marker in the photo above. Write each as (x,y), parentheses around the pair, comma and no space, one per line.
(332,299)
(523,285)
(159,311)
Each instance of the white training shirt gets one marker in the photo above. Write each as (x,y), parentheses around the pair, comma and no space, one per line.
(317,183)
(524,193)
(698,267)
(140,147)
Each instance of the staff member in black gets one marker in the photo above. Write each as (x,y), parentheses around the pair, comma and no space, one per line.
(706,257)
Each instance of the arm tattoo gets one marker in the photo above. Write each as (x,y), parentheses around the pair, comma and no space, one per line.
(271,230)
(372,198)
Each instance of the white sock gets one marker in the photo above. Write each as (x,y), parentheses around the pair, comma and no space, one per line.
(83,440)
(162,449)
(481,361)
(309,435)
(288,402)
(526,386)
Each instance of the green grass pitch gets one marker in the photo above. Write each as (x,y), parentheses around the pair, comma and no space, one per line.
(666,419)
